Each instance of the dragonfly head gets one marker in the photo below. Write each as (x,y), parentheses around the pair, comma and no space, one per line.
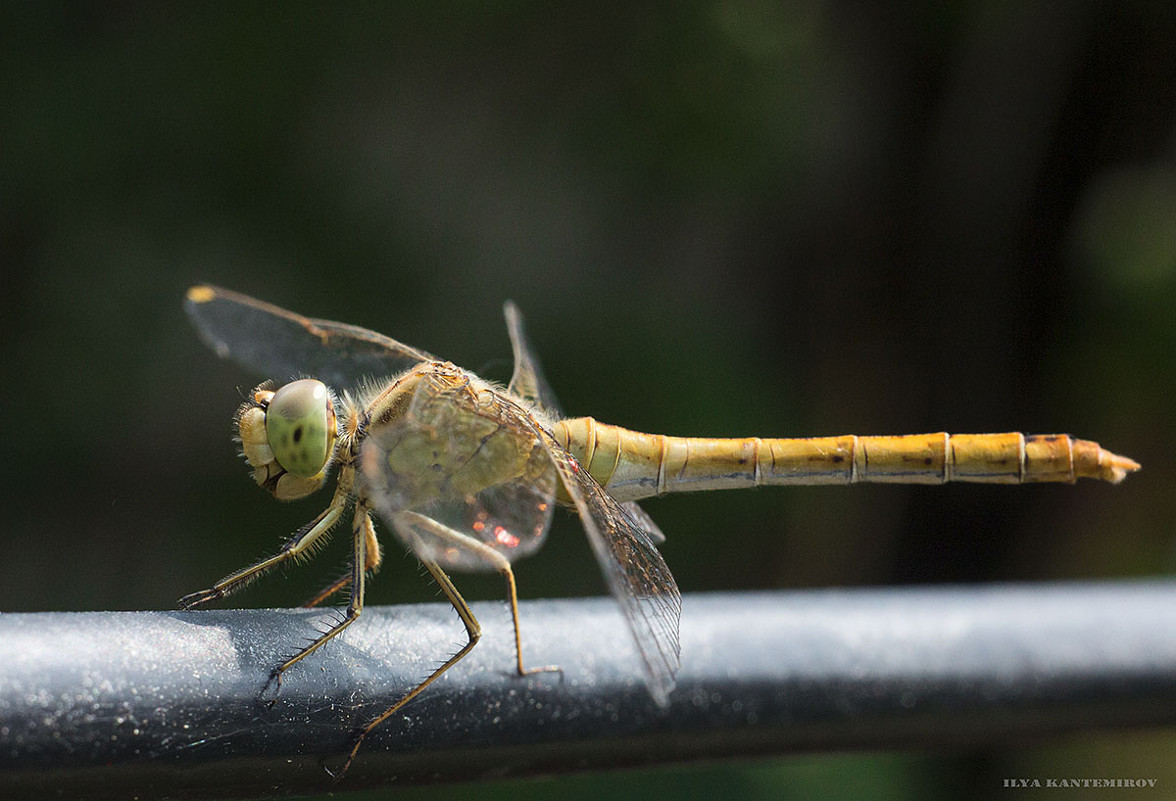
(288,436)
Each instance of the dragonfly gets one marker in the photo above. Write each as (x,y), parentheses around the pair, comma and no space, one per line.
(467,473)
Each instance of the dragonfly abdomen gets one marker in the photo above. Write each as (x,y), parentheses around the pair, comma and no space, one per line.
(634,465)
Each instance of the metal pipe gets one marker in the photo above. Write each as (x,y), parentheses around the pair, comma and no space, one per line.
(153,704)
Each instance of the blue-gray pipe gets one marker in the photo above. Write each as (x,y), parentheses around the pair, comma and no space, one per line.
(154,704)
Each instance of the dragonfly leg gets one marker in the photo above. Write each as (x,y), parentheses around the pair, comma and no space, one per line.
(473,631)
(296,546)
(513,595)
(371,564)
(361,531)
(495,560)
(329,590)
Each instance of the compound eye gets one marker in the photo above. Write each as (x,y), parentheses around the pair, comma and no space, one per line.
(300,426)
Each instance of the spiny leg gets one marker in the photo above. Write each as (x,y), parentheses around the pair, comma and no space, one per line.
(371,550)
(329,590)
(361,532)
(513,595)
(473,628)
(474,632)
(495,560)
(303,539)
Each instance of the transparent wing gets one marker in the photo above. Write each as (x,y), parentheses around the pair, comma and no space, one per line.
(466,461)
(636,573)
(644,521)
(527,381)
(281,344)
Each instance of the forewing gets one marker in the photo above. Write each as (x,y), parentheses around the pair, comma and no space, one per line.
(636,573)
(527,381)
(281,344)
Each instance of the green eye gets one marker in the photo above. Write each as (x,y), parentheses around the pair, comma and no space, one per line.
(300,427)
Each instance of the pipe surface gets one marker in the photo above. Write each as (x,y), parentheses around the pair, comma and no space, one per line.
(168,704)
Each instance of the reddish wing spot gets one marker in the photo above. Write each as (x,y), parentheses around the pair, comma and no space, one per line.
(504,537)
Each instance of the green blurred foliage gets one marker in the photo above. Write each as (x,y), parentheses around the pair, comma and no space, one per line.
(719,217)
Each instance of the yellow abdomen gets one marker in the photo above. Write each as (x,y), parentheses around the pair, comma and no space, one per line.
(633,465)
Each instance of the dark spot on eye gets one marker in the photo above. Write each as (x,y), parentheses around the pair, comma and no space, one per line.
(297,435)
(838,459)
(927,460)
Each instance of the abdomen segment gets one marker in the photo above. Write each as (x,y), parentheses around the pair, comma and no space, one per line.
(633,465)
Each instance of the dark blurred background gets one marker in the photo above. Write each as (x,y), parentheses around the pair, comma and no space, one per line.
(721,218)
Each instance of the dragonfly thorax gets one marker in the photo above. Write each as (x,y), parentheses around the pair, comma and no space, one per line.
(446,447)
(288,436)
(441,430)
